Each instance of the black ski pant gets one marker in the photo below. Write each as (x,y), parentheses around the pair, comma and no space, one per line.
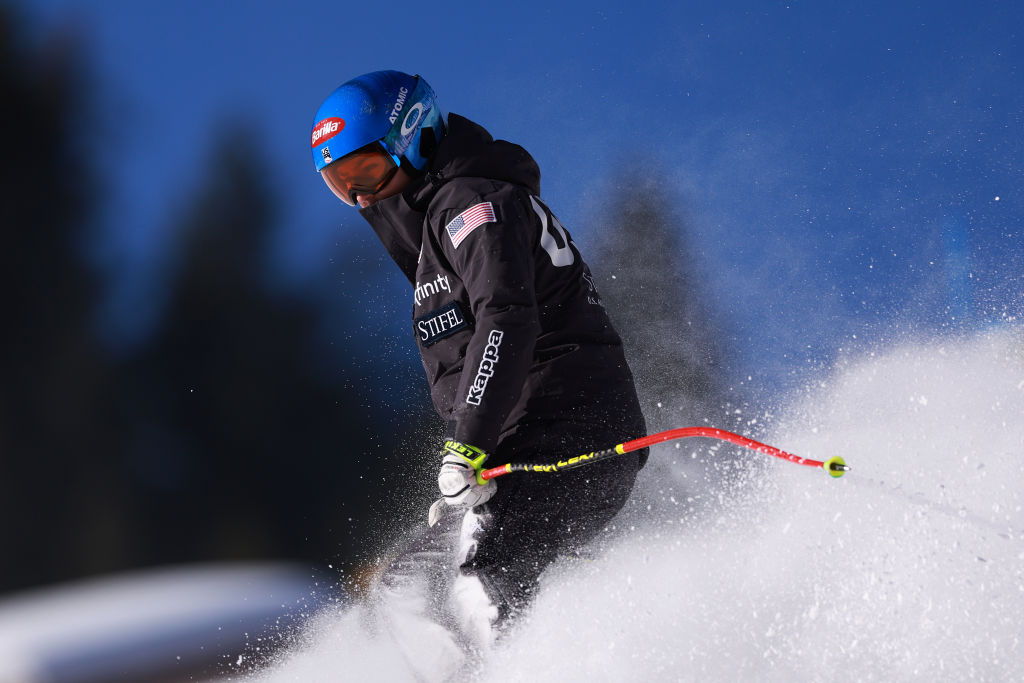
(534,517)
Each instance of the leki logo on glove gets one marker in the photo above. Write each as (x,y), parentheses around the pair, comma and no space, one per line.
(486,370)
(326,129)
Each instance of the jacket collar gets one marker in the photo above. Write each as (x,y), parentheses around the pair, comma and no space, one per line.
(467,150)
(400,229)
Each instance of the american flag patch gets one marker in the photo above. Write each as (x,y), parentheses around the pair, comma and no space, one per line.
(467,221)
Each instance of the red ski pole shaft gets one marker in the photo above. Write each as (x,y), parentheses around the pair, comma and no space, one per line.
(834,466)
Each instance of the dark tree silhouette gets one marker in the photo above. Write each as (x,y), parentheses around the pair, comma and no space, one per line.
(648,277)
(236,443)
(246,442)
(245,426)
(56,474)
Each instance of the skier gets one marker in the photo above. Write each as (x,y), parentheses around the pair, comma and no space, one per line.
(522,361)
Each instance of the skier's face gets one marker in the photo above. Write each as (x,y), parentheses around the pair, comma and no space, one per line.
(366,172)
(393,187)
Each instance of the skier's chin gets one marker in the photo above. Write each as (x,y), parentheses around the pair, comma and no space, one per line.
(394,186)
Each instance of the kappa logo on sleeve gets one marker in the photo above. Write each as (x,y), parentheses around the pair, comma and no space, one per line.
(486,369)
(468,221)
(440,323)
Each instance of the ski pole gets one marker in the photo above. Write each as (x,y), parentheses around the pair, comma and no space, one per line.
(834,466)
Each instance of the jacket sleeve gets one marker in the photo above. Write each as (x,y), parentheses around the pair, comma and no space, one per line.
(495,261)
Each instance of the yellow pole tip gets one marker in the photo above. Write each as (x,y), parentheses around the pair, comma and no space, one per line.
(835,466)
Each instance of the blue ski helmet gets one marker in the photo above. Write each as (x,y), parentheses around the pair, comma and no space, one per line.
(392,107)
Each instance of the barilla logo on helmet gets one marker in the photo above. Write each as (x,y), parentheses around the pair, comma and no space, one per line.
(326,129)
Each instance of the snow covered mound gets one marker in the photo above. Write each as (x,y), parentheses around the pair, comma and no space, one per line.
(910,567)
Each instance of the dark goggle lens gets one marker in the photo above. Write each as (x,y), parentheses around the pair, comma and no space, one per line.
(366,170)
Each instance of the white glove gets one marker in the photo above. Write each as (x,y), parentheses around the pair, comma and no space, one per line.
(459,479)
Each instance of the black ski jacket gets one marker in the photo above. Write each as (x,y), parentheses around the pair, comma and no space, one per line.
(508,322)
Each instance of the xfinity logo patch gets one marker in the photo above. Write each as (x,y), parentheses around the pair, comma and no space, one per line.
(430,288)
(439,323)
(486,370)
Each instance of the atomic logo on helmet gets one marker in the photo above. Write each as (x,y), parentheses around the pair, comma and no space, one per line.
(399,103)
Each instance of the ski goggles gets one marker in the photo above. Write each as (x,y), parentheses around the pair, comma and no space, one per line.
(366,170)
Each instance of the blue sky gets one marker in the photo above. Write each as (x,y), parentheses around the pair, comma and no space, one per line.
(850,172)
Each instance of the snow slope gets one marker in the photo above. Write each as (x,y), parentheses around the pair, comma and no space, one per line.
(167,623)
(911,567)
